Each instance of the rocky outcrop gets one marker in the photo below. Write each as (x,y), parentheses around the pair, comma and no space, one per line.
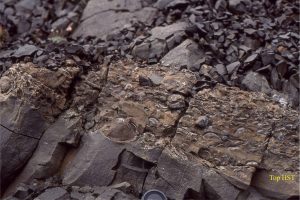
(80,120)
(30,98)
(193,180)
(145,128)
(237,133)
(50,152)
(46,90)
(21,128)
(94,162)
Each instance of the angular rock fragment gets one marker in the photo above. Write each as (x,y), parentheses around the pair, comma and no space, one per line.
(193,179)
(56,193)
(51,150)
(232,67)
(221,69)
(256,82)
(161,40)
(250,31)
(94,162)
(108,15)
(251,58)
(186,54)
(155,79)
(26,50)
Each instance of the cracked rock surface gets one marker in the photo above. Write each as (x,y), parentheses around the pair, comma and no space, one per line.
(152,128)
(108,99)
(242,134)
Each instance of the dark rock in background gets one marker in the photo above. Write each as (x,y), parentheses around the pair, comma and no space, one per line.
(184,55)
(256,82)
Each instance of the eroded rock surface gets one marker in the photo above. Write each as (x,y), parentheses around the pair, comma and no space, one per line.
(241,136)
(145,128)
(46,161)
(46,90)
(30,98)
(80,120)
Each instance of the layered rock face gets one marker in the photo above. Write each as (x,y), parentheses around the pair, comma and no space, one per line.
(135,129)
(31,98)
(109,99)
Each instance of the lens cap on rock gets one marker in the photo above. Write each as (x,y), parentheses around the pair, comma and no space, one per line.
(154,195)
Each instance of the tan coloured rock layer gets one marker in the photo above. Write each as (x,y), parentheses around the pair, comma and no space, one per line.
(45,89)
(158,129)
(247,132)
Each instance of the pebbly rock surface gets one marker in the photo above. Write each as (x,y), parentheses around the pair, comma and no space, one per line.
(109,99)
(240,134)
(147,124)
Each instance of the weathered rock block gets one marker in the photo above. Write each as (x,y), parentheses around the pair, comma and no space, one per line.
(94,162)
(242,125)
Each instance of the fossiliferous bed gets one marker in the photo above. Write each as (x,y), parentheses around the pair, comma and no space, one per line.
(107,99)
(141,128)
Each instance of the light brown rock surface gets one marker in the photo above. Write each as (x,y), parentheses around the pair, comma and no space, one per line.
(242,136)
(146,128)
(44,89)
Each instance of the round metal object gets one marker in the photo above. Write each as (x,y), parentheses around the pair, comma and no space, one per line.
(154,195)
